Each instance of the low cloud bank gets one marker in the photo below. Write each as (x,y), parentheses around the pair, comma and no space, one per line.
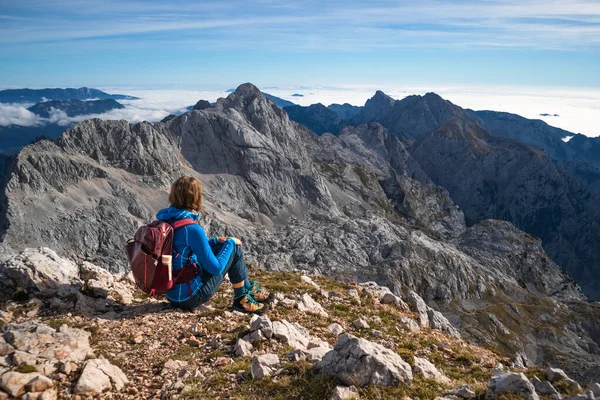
(579,110)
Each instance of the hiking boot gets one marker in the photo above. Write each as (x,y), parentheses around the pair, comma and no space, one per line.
(260,294)
(247,304)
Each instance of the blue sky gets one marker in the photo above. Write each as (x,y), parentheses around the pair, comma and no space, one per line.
(219,44)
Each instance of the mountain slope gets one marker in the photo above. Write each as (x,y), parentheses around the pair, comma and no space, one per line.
(75,108)
(356,207)
(345,111)
(316,117)
(490,177)
(39,95)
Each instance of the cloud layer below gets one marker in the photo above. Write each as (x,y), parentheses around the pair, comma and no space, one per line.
(578,110)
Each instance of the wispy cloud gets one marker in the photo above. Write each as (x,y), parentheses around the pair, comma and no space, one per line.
(333,24)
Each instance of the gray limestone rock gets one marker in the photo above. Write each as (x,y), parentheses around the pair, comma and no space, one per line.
(463,392)
(99,375)
(427,370)
(543,388)
(243,348)
(310,306)
(515,383)
(39,270)
(263,366)
(419,307)
(14,383)
(356,361)
(335,329)
(344,393)
(292,334)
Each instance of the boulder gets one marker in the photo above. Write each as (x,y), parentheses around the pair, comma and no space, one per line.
(439,322)
(101,283)
(99,375)
(242,348)
(390,298)
(14,383)
(543,388)
(335,329)
(263,366)
(174,365)
(344,393)
(463,392)
(316,353)
(507,382)
(34,340)
(307,279)
(40,269)
(427,370)
(419,307)
(310,306)
(409,324)
(39,384)
(255,337)
(596,389)
(356,361)
(361,324)
(558,375)
(262,323)
(5,348)
(292,334)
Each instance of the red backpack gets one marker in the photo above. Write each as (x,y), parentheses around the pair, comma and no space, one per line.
(153,273)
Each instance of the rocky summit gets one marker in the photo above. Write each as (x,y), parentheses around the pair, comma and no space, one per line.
(365,212)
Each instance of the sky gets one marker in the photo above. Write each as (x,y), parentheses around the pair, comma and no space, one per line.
(482,53)
(203,44)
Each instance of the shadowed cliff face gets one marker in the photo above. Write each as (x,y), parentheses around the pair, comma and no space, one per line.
(356,207)
(490,177)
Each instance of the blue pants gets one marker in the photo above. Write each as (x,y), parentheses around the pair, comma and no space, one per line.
(236,270)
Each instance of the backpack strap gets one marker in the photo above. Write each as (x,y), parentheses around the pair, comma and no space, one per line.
(182,222)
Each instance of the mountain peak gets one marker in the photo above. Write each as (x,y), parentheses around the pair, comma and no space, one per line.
(246,89)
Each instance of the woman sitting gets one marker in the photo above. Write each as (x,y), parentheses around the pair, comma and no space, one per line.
(214,258)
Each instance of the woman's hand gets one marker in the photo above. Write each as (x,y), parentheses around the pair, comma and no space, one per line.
(237,241)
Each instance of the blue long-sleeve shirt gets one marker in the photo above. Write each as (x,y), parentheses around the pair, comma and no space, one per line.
(192,240)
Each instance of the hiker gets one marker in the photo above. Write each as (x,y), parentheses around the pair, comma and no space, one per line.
(213,258)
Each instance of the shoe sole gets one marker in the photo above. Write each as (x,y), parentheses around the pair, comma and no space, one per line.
(268,300)
(243,310)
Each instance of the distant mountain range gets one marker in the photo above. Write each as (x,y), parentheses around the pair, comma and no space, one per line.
(14,137)
(39,95)
(74,108)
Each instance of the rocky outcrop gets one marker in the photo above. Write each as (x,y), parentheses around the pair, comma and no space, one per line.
(41,272)
(54,353)
(358,362)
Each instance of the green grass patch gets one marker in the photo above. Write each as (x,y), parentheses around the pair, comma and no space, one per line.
(26,368)
(186,353)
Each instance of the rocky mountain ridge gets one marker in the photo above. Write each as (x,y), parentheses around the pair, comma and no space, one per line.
(40,95)
(358,207)
(555,196)
(74,108)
